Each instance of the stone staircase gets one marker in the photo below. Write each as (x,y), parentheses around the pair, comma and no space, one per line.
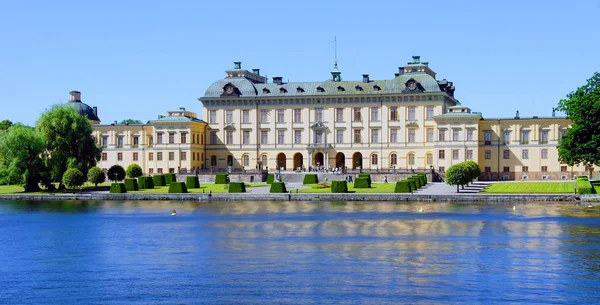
(293,177)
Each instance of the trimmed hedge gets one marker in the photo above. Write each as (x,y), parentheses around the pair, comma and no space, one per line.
(423,179)
(417,181)
(278,187)
(584,186)
(118,188)
(339,186)
(368,176)
(145,182)
(402,187)
(311,179)
(362,183)
(237,187)
(170,178)
(177,187)
(159,180)
(192,182)
(221,178)
(270,178)
(413,184)
(131,184)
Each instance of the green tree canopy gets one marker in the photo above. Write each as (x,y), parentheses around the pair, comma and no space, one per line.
(133,171)
(5,124)
(581,143)
(96,175)
(21,148)
(116,172)
(130,121)
(73,178)
(459,174)
(68,140)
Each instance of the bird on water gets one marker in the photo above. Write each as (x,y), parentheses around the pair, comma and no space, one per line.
(173,213)
(421,210)
(514,207)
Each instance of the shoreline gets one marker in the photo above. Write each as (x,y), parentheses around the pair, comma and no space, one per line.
(467,198)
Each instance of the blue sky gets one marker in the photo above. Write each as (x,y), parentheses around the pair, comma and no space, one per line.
(138,59)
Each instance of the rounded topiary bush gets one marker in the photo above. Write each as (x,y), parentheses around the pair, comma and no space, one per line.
(145,183)
(221,179)
(339,186)
(278,187)
(402,187)
(311,179)
(270,178)
(131,184)
(170,178)
(96,175)
(177,187)
(118,188)
(116,173)
(362,183)
(73,178)
(133,171)
(159,180)
(192,182)
(237,187)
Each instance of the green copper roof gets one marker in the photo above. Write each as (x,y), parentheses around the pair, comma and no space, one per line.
(176,119)
(465,115)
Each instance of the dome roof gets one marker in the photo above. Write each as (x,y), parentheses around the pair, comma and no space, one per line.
(83,108)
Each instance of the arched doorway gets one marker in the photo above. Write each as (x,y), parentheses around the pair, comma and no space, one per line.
(281,161)
(340,160)
(298,161)
(357,160)
(318,160)
(230,160)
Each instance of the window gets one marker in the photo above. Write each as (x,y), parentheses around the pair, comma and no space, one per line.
(229,116)
(374,114)
(469,134)
(159,156)
(442,135)
(562,133)
(318,138)
(213,137)
(150,156)
(150,171)
(374,136)
(171,156)
(229,137)
(506,137)
(104,157)
(246,160)
(297,115)
(394,113)
(455,133)
(411,135)
(357,136)
(429,159)
(171,137)
(264,137)
(245,116)
(488,154)
(394,135)
(280,115)
(506,154)
(213,160)
(339,136)
(488,169)
(183,138)
(280,136)
(525,137)
(135,156)
(411,113)
(506,169)
(159,138)
(544,153)
(160,170)
(119,156)
(429,112)
(183,156)
(136,142)
(442,154)
(442,169)
(357,116)
(120,141)
(193,156)
(544,168)
(525,154)
(104,141)
(150,141)
(374,159)
(429,134)
(487,137)
(246,137)
(455,154)
(263,159)
(339,114)
(563,168)
(411,159)
(393,159)
(297,136)
(264,115)
(469,154)
(212,116)
(544,137)
(318,114)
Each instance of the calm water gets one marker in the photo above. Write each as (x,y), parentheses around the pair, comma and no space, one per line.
(297,253)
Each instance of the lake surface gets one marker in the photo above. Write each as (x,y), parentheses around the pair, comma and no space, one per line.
(297,253)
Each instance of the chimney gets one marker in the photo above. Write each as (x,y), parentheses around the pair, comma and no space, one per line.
(400,71)
(95,111)
(182,108)
(416,59)
(256,71)
(365,78)
(74,96)
(278,80)
(396,74)
(517,115)
(237,64)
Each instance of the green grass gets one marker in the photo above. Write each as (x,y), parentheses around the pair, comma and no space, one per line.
(596,186)
(204,188)
(529,188)
(16,189)
(375,188)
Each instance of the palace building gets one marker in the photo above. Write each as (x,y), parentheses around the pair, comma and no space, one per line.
(410,121)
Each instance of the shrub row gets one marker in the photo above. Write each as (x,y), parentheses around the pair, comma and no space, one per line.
(192,182)
(362,183)
(159,180)
(145,182)
(584,186)
(237,187)
(177,187)
(118,188)
(221,179)
(270,178)
(131,184)
(310,179)
(278,187)
(411,184)
(339,186)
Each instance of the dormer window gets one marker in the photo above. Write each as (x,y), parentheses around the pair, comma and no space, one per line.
(376,88)
(299,90)
(282,90)
(340,88)
(358,88)
(320,89)
(266,91)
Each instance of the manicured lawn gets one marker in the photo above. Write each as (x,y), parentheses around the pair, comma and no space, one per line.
(16,189)
(529,188)
(10,189)
(204,188)
(596,186)
(375,188)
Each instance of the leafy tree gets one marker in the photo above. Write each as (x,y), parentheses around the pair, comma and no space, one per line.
(581,143)
(5,124)
(458,174)
(21,148)
(116,172)
(473,169)
(68,140)
(96,175)
(133,171)
(73,178)
(130,121)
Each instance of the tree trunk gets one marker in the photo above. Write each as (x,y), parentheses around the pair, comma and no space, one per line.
(457,190)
